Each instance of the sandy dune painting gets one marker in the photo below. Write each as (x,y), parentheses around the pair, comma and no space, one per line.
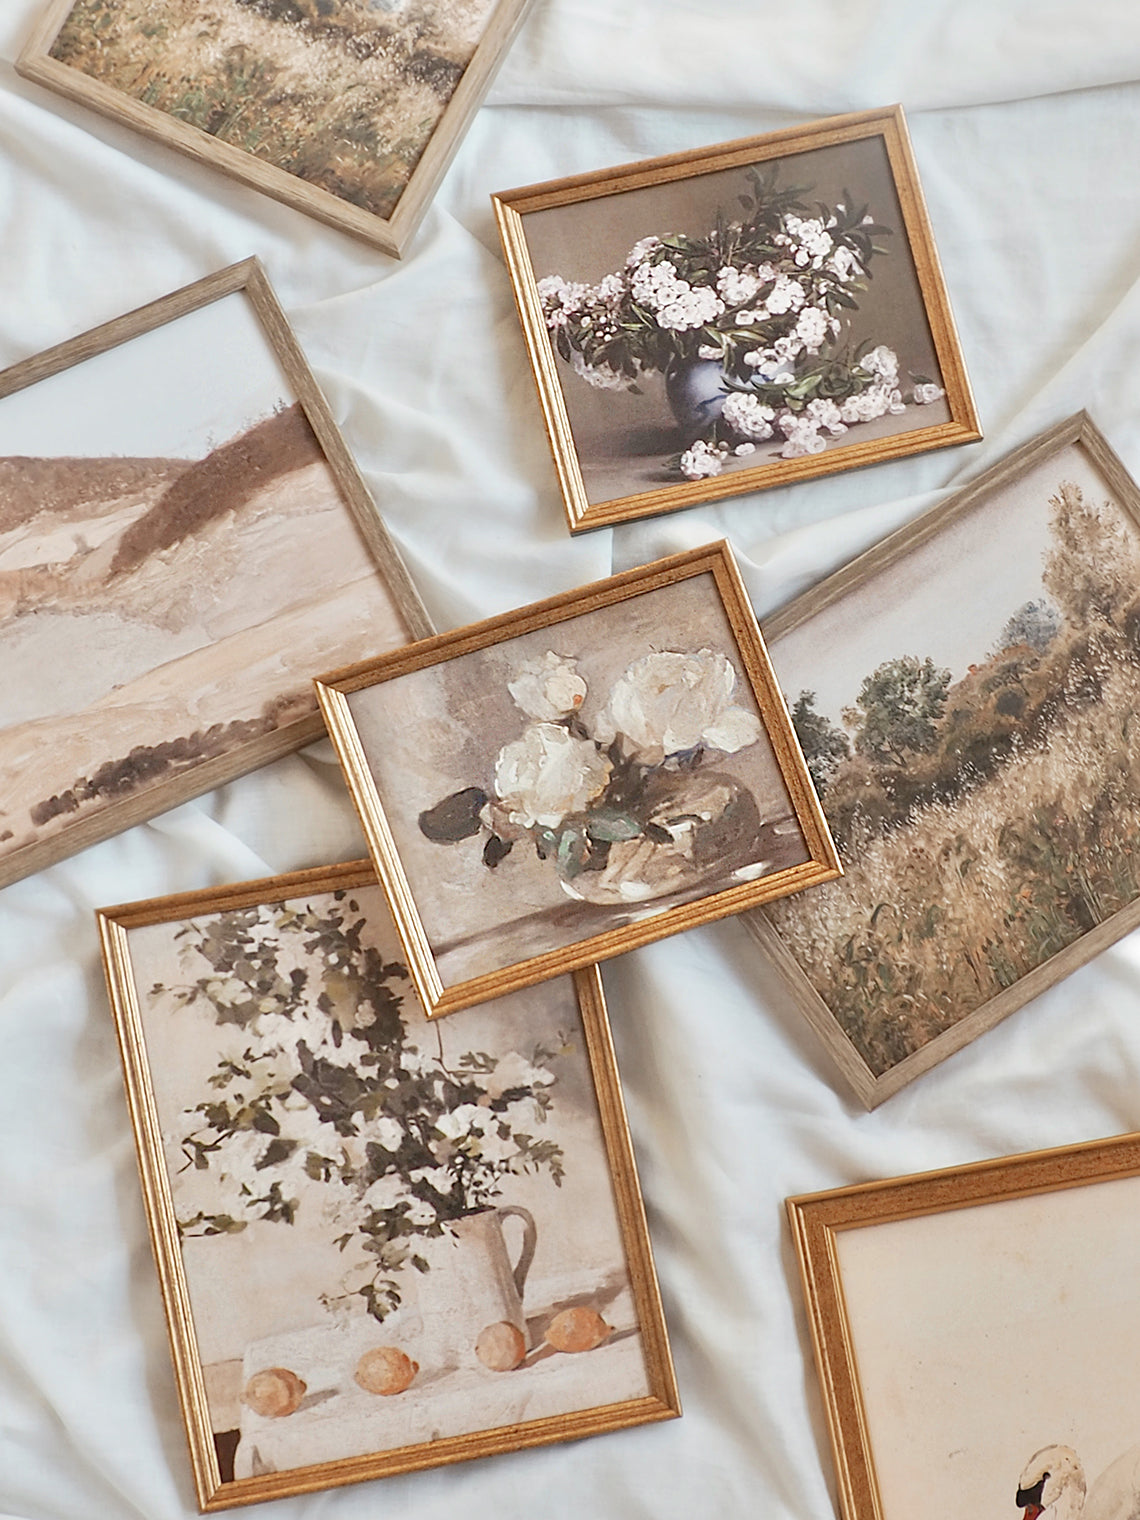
(176,559)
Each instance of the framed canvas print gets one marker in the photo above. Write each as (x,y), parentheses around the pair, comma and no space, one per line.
(349,112)
(184,540)
(976,1334)
(382,1244)
(582,776)
(966,695)
(736,317)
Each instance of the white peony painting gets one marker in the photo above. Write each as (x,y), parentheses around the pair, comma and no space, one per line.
(592,773)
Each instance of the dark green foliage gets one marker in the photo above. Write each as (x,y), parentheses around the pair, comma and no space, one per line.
(824,745)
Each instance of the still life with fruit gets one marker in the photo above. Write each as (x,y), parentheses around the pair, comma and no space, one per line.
(391,1230)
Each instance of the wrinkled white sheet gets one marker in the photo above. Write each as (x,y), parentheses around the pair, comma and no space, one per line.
(1026,123)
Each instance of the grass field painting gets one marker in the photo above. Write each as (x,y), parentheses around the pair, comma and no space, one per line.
(344,94)
(970,713)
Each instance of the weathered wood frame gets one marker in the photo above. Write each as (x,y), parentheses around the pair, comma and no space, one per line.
(249,279)
(872,1089)
(389,234)
(512,207)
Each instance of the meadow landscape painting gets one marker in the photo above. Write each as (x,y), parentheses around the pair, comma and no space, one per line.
(973,734)
(177,557)
(342,94)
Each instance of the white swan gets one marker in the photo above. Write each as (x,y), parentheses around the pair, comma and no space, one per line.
(1054,1481)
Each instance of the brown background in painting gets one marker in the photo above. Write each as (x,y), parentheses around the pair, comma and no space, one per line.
(589,239)
(435,731)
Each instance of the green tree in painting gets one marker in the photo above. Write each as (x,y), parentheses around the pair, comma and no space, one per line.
(1090,571)
(825,746)
(898,708)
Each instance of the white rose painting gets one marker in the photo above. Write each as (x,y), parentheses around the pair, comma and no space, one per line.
(590,774)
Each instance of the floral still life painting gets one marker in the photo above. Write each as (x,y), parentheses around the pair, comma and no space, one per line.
(697,320)
(577,777)
(972,735)
(394,1236)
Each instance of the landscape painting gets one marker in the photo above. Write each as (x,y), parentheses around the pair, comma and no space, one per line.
(348,109)
(177,557)
(947,1283)
(584,774)
(393,1235)
(967,700)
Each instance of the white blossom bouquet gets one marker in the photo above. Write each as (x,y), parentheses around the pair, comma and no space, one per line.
(325,1101)
(577,792)
(768,300)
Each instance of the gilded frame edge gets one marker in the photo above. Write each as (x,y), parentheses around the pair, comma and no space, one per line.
(511,206)
(390,234)
(816,1219)
(334,689)
(246,277)
(1077,429)
(661,1403)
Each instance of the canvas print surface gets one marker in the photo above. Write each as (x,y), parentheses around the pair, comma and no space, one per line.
(577,778)
(176,560)
(343,95)
(972,732)
(392,1232)
(951,1314)
(735,318)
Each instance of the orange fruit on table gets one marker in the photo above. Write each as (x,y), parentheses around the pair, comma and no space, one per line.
(274,1391)
(386,1370)
(577,1330)
(501,1346)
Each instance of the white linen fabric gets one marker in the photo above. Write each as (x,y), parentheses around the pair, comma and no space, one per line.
(1025,117)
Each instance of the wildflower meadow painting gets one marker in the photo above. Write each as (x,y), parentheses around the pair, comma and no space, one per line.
(581,776)
(347,109)
(966,696)
(383,1243)
(183,541)
(734,318)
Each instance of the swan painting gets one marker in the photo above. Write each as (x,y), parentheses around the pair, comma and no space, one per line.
(1053,1483)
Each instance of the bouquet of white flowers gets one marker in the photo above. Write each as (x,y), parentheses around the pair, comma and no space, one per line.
(763,304)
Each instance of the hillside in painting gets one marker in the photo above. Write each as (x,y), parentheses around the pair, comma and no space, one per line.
(155,613)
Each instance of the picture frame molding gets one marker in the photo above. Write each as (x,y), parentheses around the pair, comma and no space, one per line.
(1080,430)
(512,206)
(817,1219)
(334,689)
(248,278)
(389,234)
(662,1403)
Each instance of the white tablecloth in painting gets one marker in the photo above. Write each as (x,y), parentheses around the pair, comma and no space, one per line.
(1026,126)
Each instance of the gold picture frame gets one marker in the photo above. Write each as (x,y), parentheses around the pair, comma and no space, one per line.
(926,1292)
(173,484)
(624,744)
(685,211)
(520,1121)
(228,90)
(999,624)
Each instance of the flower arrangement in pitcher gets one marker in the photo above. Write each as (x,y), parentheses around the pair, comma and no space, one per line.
(622,786)
(326,1102)
(749,326)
